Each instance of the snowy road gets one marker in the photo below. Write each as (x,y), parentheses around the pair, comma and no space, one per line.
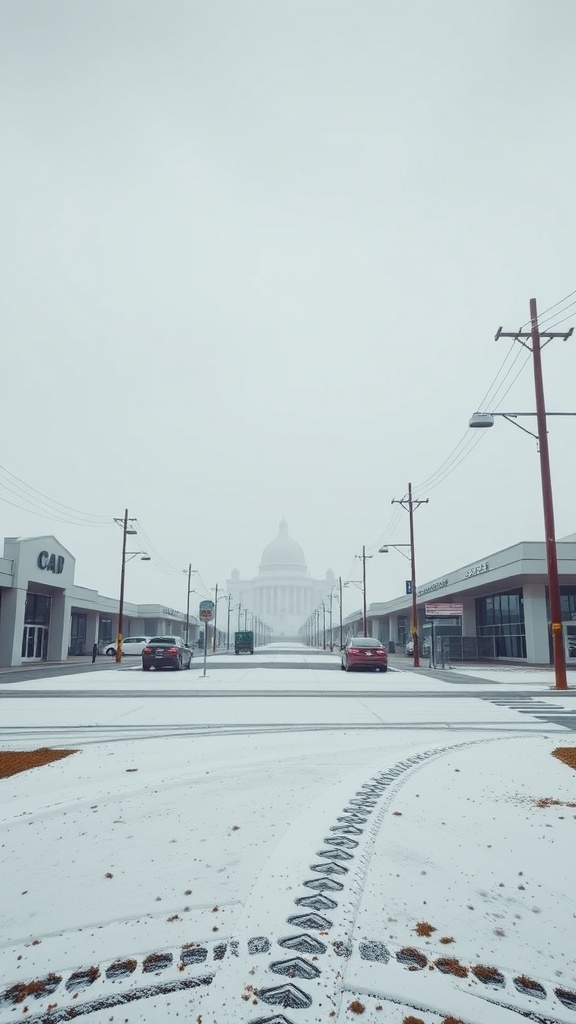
(288,845)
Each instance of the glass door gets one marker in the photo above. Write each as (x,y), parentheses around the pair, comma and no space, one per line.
(34,643)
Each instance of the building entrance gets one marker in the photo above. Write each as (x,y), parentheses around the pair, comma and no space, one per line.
(35,643)
(36,624)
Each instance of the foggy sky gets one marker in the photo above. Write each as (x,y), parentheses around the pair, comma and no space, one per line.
(254,255)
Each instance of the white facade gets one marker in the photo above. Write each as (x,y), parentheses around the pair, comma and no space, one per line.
(44,616)
(519,571)
(283,594)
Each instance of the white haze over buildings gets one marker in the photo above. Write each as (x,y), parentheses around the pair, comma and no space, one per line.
(254,255)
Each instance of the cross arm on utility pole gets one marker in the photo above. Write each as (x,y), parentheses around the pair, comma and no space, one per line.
(523,336)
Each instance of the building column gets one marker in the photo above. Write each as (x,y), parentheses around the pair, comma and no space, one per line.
(12,626)
(92,626)
(536,624)
(468,616)
(59,631)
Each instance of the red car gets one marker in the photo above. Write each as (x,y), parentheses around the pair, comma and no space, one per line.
(364,652)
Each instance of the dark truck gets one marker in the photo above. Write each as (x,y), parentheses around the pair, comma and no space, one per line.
(244,642)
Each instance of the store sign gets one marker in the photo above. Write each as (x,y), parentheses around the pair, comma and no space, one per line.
(439,585)
(51,563)
(171,612)
(439,611)
(476,570)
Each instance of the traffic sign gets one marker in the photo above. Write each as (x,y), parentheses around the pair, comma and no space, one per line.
(438,611)
(206,611)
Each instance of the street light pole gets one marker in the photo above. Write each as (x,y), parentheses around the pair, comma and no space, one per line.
(413,579)
(120,636)
(215,617)
(323,625)
(364,556)
(228,626)
(410,504)
(187,628)
(364,615)
(127,530)
(536,336)
(549,527)
(340,589)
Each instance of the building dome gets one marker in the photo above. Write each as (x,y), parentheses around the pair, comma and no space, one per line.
(283,553)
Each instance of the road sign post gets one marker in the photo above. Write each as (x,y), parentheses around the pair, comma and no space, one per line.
(206,614)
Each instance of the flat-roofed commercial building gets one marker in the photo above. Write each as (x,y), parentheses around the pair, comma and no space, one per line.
(505,606)
(44,616)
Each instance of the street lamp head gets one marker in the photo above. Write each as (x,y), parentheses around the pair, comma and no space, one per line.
(145,557)
(383,551)
(481,419)
(130,531)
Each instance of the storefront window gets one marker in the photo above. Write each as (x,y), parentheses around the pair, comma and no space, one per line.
(78,633)
(37,610)
(501,617)
(105,633)
(568,603)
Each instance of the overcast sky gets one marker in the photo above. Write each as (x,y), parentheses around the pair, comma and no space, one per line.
(254,255)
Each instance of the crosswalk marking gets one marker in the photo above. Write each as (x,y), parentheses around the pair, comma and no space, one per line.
(554,714)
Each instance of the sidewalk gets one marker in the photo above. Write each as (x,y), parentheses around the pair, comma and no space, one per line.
(102,661)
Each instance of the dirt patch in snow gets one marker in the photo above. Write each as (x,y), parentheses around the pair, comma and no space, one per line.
(566,754)
(14,761)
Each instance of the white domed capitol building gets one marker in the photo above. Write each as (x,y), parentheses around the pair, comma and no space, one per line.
(283,594)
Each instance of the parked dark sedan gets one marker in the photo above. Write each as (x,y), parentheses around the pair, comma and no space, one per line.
(166,652)
(364,652)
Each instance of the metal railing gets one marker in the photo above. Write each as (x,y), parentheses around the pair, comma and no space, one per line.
(449,649)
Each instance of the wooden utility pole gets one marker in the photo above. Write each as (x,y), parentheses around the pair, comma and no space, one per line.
(364,556)
(410,504)
(535,336)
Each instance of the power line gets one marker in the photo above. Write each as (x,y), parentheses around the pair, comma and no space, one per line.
(162,563)
(553,306)
(468,441)
(473,440)
(43,505)
(569,317)
(49,516)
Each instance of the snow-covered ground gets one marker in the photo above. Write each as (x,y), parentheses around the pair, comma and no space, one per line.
(289,855)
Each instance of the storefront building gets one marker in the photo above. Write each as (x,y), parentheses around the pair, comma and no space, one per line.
(505,606)
(44,616)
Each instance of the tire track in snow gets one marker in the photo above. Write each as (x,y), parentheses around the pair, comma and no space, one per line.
(308,901)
